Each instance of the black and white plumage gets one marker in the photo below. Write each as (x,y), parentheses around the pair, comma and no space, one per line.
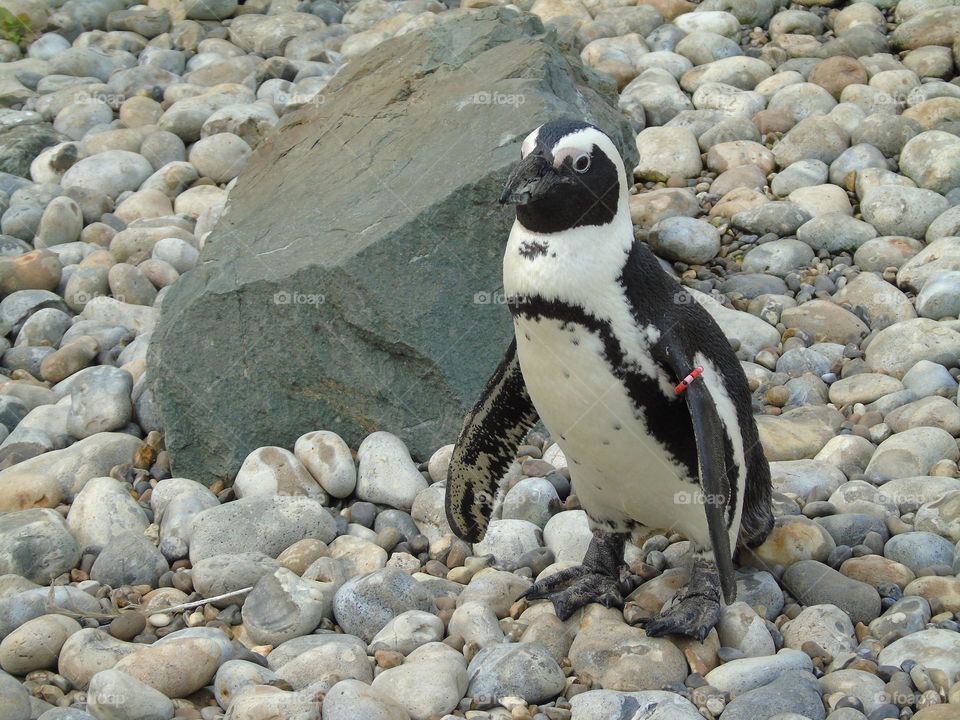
(603,335)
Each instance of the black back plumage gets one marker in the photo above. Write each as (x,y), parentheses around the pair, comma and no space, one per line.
(657,299)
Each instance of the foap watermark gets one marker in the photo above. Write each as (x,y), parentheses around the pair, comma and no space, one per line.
(114,100)
(698,497)
(486,97)
(109,699)
(82,297)
(683,296)
(484,297)
(286,297)
(296,100)
(499,297)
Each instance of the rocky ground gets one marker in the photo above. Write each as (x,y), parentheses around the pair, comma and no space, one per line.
(799,168)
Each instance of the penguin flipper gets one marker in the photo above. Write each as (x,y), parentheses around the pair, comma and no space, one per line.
(487,444)
(709,433)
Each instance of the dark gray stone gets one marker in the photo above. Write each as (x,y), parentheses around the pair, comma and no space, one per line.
(12,246)
(352,285)
(16,699)
(813,583)
(36,545)
(20,144)
(263,524)
(222,574)
(794,691)
(326,10)
(75,16)
(750,285)
(887,133)
(919,550)
(397,519)
(759,590)
(129,560)
(12,411)
(779,217)
(525,670)
(851,528)
(798,361)
(905,617)
(26,358)
(18,608)
(16,307)
(364,605)
(10,183)
(21,221)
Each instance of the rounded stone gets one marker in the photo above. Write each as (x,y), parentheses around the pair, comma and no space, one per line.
(36,544)
(220,157)
(666,152)
(176,668)
(110,172)
(100,401)
(36,644)
(329,460)
(386,474)
(365,604)
(932,160)
(61,223)
(685,239)
(282,606)
(514,670)
(276,471)
(919,550)
(899,210)
(835,73)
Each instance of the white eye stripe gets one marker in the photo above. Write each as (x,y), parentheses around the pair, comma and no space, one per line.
(562,154)
(529,143)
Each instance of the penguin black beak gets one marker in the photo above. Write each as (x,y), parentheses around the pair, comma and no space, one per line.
(527,181)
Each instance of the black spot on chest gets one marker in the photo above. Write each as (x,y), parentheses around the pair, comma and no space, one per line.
(532,249)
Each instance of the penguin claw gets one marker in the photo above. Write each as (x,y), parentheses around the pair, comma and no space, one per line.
(572,588)
(693,616)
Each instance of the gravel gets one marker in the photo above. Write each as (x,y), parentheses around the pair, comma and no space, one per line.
(799,171)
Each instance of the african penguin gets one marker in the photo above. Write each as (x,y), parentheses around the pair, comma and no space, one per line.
(635,382)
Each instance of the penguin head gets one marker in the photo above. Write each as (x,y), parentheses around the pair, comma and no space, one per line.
(570,175)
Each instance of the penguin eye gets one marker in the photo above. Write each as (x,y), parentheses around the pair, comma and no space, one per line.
(582,163)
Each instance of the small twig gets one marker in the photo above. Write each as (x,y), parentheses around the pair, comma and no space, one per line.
(204,601)
(52,607)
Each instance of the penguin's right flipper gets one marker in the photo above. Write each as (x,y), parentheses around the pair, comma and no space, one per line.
(487,445)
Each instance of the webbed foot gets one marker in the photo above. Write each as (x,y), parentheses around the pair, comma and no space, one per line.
(597,580)
(695,609)
(571,589)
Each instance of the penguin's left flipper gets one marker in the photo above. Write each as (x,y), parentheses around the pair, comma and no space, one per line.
(487,444)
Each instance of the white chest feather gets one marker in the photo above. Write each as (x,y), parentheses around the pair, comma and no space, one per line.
(619,471)
(588,361)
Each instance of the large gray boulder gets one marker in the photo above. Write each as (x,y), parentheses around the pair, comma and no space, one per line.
(352,284)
